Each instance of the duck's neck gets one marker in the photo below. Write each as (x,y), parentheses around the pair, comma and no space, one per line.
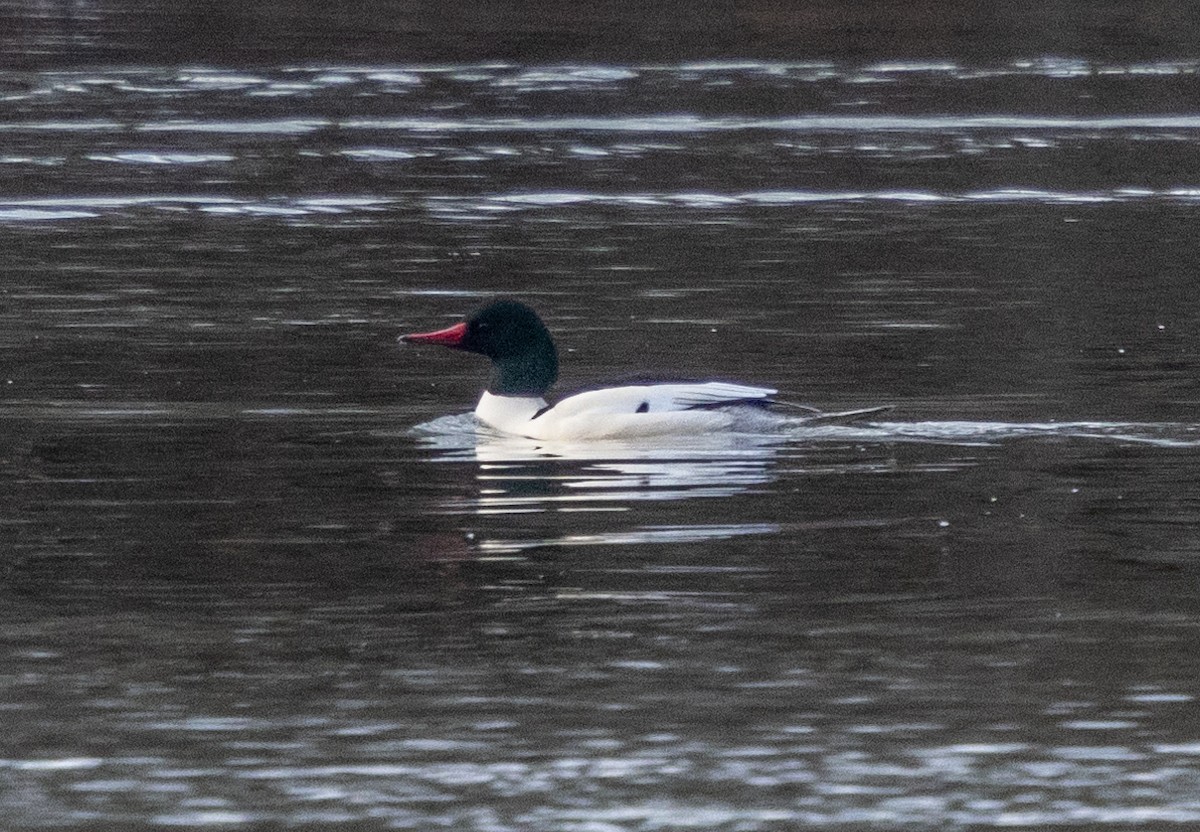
(528,374)
(507,412)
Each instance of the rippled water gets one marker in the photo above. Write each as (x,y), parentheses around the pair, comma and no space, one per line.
(260,568)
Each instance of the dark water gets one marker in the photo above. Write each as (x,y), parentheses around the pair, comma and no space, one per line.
(237,588)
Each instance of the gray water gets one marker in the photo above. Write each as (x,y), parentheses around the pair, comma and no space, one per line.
(258,570)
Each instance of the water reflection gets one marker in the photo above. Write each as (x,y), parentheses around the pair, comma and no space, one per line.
(516,475)
(596,493)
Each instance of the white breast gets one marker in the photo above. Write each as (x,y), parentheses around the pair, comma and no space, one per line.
(508,413)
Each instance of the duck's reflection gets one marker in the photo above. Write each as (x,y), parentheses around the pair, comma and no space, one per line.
(621,472)
(518,476)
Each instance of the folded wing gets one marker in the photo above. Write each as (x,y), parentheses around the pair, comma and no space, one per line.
(716,394)
(661,398)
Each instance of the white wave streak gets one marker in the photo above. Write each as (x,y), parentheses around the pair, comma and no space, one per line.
(480,206)
(496,203)
(680,123)
(44,209)
(688,123)
(1164,435)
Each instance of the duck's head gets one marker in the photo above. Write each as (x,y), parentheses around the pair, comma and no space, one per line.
(512,335)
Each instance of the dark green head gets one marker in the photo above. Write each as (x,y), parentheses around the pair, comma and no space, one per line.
(524,358)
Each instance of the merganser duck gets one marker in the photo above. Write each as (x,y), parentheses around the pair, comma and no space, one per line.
(525,365)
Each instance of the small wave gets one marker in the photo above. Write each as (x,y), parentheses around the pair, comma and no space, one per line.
(283,90)
(651,123)
(534,200)
(506,78)
(689,123)
(381,154)
(60,126)
(164,158)
(103,202)
(566,76)
(1169,435)
(41,215)
(87,207)
(1037,195)
(253,209)
(891,67)
(283,126)
(223,80)
(395,77)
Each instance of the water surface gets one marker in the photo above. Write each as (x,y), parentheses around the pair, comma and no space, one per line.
(259,569)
